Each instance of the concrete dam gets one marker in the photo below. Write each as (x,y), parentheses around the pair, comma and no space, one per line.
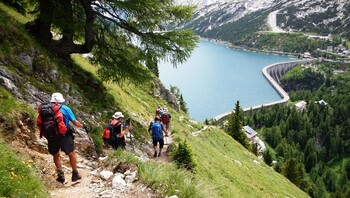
(272,73)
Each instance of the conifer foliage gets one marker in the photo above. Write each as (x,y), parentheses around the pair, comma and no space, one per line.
(127,38)
(183,156)
(234,128)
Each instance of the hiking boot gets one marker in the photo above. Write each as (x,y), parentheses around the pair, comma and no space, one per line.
(60,176)
(75,176)
(155,154)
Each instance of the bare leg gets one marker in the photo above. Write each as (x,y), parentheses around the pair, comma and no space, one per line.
(155,151)
(57,160)
(73,163)
(73,160)
(160,151)
(58,164)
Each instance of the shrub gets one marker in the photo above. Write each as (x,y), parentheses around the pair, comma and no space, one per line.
(183,157)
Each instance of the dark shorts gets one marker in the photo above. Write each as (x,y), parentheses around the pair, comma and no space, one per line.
(65,143)
(161,142)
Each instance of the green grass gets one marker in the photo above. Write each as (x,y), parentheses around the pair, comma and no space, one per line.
(17,176)
(224,168)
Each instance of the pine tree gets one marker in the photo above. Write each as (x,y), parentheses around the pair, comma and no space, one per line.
(183,105)
(254,148)
(234,127)
(267,157)
(310,155)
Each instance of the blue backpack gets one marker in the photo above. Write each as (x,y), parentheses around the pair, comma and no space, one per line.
(157,132)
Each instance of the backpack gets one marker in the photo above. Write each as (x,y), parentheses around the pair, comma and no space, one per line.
(50,121)
(110,136)
(157,131)
(165,118)
(106,133)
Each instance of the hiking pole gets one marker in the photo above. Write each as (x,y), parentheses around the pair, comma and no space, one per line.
(87,131)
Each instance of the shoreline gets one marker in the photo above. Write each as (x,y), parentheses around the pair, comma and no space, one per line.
(245,48)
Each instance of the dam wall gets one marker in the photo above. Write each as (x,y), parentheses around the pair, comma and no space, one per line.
(273,73)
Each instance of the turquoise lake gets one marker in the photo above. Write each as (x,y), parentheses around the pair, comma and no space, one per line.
(215,77)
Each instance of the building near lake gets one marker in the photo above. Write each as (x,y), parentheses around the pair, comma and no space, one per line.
(254,139)
(300,106)
(250,133)
(321,102)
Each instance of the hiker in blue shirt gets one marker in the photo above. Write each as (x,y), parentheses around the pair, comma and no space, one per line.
(157,129)
(66,142)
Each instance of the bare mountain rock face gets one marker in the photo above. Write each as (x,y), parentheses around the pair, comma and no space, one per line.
(159,91)
(322,16)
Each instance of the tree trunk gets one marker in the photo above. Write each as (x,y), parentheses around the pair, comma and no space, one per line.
(41,27)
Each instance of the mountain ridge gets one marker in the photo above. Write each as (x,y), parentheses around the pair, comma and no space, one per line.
(321,17)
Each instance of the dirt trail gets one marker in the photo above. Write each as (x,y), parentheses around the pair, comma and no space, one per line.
(82,188)
(165,151)
(91,185)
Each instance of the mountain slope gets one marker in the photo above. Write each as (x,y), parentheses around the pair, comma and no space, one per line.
(320,16)
(30,73)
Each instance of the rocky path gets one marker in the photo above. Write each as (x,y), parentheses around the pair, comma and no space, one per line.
(97,180)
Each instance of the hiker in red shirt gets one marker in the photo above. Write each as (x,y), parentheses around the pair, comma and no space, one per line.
(166,118)
(159,111)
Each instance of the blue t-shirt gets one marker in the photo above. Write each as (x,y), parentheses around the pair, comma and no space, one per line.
(68,114)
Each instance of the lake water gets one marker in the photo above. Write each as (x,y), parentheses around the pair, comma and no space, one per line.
(215,77)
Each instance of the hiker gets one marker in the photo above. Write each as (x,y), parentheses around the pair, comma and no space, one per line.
(114,133)
(166,118)
(63,139)
(159,111)
(157,129)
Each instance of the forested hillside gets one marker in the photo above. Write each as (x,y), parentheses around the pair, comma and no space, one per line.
(311,145)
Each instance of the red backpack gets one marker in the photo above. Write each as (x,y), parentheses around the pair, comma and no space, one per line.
(165,118)
(50,121)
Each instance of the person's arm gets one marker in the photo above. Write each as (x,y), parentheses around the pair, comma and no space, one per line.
(150,127)
(78,124)
(72,118)
(125,131)
(164,128)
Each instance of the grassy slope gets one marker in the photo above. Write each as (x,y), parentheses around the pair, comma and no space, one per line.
(18,178)
(225,169)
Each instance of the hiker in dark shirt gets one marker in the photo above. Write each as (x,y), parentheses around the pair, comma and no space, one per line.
(116,132)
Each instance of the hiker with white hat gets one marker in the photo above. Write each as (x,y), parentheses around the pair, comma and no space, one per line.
(53,122)
(114,133)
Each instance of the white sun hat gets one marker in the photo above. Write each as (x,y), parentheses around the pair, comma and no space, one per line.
(57,97)
(118,115)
